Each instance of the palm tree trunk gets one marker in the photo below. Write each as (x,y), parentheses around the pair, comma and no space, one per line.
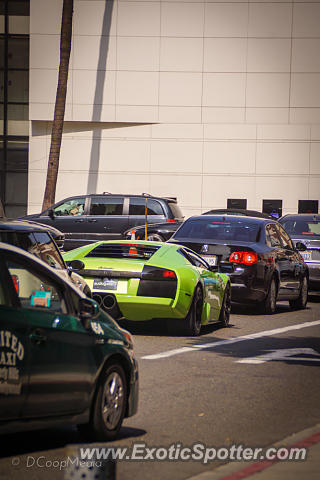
(57,125)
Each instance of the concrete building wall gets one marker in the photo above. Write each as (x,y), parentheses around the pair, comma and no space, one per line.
(201,100)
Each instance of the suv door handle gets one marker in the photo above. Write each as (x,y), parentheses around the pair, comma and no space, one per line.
(92,220)
(80,220)
(37,337)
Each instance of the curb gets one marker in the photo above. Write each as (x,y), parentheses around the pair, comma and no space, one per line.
(240,470)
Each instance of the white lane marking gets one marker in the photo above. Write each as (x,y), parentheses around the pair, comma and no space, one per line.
(283,354)
(229,341)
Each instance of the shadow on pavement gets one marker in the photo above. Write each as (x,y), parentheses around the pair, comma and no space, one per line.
(21,443)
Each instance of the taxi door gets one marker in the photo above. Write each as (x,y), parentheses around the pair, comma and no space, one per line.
(61,364)
(14,350)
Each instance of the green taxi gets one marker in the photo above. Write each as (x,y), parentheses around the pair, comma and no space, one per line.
(62,359)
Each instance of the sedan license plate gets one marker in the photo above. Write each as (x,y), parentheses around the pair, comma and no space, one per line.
(105,283)
(307,255)
(210,259)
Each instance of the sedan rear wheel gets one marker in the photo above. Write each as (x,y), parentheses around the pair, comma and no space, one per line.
(193,319)
(301,301)
(271,300)
(224,317)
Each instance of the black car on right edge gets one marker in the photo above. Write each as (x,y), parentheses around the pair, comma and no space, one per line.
(304,229)
(267,266)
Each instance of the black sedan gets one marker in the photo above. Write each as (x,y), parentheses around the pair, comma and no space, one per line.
(267,267)
(304,229)
(161,232)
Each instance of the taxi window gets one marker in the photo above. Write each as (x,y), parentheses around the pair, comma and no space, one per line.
(35,291)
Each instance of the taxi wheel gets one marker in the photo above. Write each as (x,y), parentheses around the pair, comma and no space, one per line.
(224,317)
(301,301)
(192,321)
(110,403)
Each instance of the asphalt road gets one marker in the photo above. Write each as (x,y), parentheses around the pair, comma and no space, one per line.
(211,389)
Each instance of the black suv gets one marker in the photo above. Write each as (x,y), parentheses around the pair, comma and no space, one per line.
(94,217)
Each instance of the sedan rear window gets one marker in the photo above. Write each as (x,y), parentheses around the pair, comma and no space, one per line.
(219,229)
(134,251)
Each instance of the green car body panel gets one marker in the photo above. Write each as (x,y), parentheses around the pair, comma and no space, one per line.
(136,307)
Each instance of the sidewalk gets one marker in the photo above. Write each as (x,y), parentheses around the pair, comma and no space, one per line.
(268,470)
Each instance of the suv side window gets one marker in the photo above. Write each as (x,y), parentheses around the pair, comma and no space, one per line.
(35,292)
(138,206)
(106,206)
(285,238)
(272,238)
(74,207)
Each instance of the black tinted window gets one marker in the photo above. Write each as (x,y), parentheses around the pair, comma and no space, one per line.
(285,238)
(272,238)
(176,212)
(37,243)
(24,240)
(122,250)
(138,207)
(47,251)
(302,225)
(218,229)
(106,206)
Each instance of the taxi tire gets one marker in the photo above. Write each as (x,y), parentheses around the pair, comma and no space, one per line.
(100,427)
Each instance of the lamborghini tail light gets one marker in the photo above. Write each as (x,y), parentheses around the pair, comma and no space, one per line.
(157,282)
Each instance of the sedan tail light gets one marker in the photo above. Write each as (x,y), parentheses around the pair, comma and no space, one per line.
(247,258)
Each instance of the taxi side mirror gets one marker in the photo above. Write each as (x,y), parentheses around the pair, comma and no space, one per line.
(88,310)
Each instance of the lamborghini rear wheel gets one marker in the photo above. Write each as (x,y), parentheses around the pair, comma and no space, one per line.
(192,322)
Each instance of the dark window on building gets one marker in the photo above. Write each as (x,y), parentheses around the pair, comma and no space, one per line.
(237,203)
(308,206)
(272,207)
(14,102)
